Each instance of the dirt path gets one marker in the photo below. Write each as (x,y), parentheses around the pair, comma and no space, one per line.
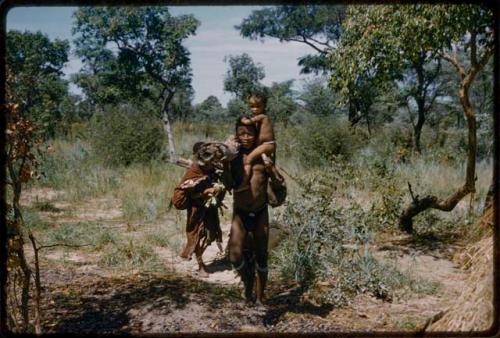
(83,297)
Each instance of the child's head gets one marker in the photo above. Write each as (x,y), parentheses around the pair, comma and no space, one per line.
(257,103)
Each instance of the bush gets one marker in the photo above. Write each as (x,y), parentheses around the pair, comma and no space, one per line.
(330,234)
(125,135)
(321,139)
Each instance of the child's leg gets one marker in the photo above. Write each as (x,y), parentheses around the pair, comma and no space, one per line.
(267,148)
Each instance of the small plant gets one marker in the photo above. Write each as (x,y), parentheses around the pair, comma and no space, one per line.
(128,254)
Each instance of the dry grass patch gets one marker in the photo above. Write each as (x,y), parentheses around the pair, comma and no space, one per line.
(473,310)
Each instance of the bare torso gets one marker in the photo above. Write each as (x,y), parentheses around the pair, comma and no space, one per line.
(255,197)
(266,132)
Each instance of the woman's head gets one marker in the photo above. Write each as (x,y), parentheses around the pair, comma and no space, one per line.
(246,135)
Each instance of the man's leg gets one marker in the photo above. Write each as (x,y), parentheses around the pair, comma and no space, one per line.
(261,238)
(236,256)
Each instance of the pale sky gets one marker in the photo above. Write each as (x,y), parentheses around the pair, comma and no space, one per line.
(214,39)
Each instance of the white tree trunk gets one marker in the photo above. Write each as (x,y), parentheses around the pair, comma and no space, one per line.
(168,129)
(167,126)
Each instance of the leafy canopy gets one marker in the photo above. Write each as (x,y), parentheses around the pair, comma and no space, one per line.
(317,26)
(243,76)
(127,51)
(36,84)
(378,41)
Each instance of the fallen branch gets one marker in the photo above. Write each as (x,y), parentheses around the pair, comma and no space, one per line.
(62,244)
(430,202)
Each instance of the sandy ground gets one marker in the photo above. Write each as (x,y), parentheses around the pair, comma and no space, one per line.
(81,297)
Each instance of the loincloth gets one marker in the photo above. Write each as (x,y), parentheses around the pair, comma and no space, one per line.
(249,218)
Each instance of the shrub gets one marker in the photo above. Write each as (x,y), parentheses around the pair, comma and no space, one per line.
(125,135)
(321,139)
(328,247)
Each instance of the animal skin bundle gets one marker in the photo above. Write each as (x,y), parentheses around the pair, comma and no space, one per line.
(215,153)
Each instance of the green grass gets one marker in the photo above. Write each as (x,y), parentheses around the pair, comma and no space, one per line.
(361,195)
(146,189)
(128,254)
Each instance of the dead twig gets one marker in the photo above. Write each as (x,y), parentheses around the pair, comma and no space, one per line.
(38,286)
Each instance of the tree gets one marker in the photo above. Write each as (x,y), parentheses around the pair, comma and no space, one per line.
(409,31)
(106,79)
(280,103)
(210,108)
(139,49)
(314,25)
(236,108)
(369,46)
(319,27)
(36,85)
(318,98)
(21,167)
(182,104)
(243,76)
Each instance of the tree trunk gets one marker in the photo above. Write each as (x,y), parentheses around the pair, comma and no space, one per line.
(417,129)
(418,205)
(167,126)
(420,99)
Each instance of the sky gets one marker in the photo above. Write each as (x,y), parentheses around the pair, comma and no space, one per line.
(215,38)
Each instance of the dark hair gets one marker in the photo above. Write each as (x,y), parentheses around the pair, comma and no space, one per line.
(197,147)
(241,124)
(260,95)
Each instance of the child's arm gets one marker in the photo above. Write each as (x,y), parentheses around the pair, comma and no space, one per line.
(254,119)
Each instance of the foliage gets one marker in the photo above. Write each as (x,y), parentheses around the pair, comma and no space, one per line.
(315,220)
(378,40)
(21,167)
(181,104)
(209,109)
(400,43)
(318,26)
(36,83)
(149,48)
(321,139)
(243,76)
(141,50)
(125,135)
(280,103)
(236,108)
(318,99)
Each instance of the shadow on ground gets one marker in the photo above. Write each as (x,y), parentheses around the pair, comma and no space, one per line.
(143,304)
